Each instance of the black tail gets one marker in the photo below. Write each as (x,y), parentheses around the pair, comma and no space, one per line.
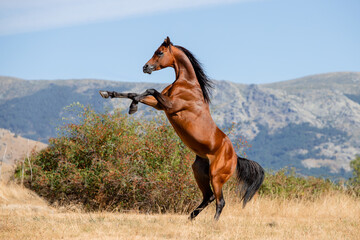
(250,175)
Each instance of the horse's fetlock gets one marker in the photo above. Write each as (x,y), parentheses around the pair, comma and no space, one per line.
(111,94)
(222,202)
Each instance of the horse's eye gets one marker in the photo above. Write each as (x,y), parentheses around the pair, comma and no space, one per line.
(159,53)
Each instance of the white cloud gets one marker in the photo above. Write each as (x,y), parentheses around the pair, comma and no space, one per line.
(17,16)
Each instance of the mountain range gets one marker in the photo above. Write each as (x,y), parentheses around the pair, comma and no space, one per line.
(310,123)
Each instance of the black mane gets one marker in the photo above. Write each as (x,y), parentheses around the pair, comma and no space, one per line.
(205,83)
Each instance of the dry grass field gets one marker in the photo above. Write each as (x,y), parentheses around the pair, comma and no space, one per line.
(23,215)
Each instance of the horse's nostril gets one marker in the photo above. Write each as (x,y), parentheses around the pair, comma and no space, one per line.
(147,68)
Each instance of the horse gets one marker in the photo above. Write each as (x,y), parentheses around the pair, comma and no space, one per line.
(186,105)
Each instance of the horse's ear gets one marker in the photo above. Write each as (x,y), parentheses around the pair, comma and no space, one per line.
(167,42)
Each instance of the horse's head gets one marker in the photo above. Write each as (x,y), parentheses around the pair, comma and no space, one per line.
(162,58)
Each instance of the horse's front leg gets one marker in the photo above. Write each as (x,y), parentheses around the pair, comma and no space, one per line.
(153,98)
(112,94)
(150,97)
(159,101)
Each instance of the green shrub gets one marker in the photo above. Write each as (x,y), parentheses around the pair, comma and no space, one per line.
(355,166)
(286,184)
(355,180)
(112,161)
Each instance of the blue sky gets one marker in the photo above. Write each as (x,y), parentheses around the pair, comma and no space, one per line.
(244,41)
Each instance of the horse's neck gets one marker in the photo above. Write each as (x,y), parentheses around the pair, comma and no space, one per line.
(184,70)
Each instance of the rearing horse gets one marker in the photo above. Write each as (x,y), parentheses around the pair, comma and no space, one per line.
(186,105)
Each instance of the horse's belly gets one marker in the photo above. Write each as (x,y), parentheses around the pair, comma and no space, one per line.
(199,147)
(200,138)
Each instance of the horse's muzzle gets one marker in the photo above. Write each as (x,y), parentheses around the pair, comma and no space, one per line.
(148,68)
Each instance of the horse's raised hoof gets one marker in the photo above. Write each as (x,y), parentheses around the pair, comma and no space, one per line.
(104,94)
(133,107)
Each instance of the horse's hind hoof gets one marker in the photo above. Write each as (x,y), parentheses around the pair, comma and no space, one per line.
(104,94)
(133,108)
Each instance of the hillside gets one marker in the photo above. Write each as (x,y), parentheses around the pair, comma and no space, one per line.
(311,123)
(14,148)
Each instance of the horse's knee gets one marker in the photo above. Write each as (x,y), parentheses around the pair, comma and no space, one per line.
(132,95)
(150,91)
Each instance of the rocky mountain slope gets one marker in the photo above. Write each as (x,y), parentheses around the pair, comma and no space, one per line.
(311,123)
(316,118)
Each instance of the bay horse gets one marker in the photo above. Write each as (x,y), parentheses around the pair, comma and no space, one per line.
(186,105)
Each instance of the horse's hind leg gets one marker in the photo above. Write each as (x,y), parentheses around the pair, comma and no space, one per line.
(221,169)
(217,183)
(201,173)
